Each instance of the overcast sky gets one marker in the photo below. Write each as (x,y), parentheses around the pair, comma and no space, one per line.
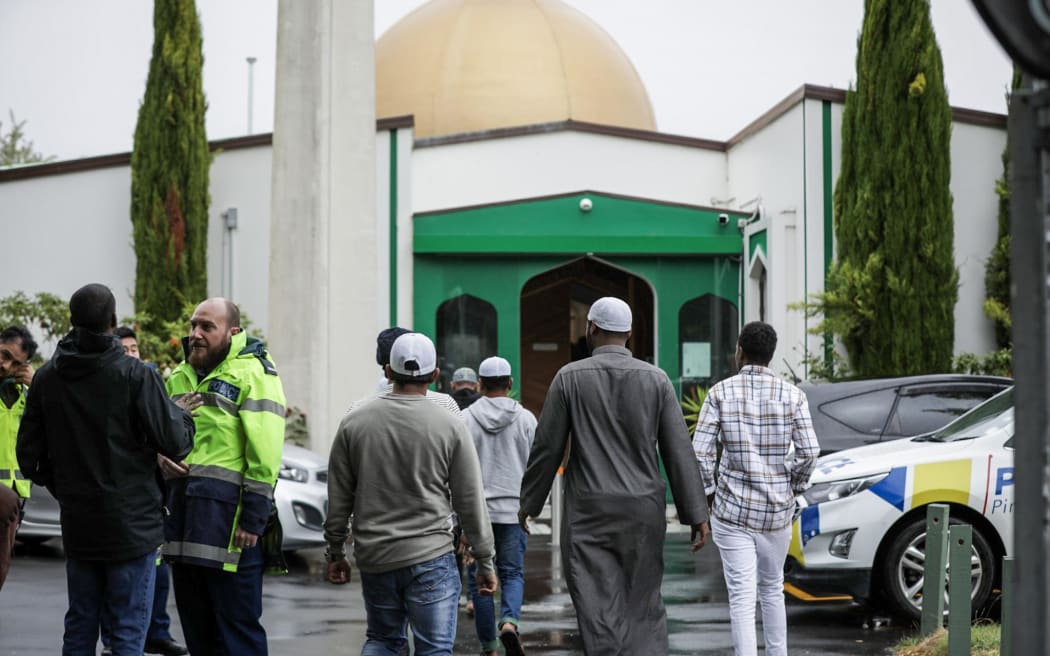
(75,71)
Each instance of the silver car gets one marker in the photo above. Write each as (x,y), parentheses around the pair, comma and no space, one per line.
(301,497)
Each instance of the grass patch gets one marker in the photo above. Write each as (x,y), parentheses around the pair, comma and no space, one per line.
(984,641)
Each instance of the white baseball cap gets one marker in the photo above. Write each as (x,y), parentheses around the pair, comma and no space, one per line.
(610,313)
(413,354)
(494,367)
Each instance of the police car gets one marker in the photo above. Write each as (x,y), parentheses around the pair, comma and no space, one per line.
(861,529)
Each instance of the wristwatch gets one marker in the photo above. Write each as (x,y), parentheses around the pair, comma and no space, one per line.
(331,556)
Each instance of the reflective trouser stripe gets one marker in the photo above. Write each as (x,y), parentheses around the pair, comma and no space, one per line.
(202,551)
(229,476)
(5,474)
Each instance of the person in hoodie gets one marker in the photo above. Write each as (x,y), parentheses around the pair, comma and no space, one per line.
(503,431)
(94,423)
(221,496)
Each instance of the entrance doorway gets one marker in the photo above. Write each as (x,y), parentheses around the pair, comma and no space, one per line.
(554,308)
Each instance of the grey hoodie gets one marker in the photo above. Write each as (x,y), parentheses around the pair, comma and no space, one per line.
(503,431)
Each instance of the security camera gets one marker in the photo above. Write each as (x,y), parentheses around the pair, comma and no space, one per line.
(586,204)
(723,219)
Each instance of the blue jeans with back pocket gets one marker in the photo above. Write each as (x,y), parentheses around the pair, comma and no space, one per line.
(122,590)
(425,595)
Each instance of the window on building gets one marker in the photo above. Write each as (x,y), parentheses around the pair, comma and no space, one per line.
(466,335)
(707,332)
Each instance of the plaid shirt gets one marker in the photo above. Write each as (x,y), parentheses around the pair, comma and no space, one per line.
(758,417)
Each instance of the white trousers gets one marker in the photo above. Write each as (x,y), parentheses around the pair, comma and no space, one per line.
(753,561)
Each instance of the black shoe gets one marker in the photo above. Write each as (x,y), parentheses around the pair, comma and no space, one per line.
(511,640)
(166,647)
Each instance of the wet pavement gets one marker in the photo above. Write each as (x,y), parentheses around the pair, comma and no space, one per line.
(304,615)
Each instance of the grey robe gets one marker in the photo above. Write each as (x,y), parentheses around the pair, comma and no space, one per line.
(618,410)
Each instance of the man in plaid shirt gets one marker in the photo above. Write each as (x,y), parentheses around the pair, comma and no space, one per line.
(768,453)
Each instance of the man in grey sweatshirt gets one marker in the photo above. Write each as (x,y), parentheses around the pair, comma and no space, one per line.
(503,431)
(400,465)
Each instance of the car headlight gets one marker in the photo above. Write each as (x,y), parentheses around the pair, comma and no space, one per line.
(833,490)
(290,473)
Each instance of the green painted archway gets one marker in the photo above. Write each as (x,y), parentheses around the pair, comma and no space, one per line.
(490,252)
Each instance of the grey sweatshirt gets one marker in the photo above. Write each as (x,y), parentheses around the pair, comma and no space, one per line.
(503,431)
(400,465)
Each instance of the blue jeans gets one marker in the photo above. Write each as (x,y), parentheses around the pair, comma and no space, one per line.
(510,559)
(425,595)
(122,590)
(160,622)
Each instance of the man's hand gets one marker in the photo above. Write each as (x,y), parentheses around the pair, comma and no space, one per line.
(523,521)
(244,539)
(24,374)
(339,572)
(487,584)
(171,469)
(698,535)
(190,402)
(463,549)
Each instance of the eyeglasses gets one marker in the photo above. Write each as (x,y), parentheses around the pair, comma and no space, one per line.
(7,356)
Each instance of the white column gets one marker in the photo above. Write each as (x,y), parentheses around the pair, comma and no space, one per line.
(323,301)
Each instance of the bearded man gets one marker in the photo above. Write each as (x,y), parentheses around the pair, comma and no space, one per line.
(221,496)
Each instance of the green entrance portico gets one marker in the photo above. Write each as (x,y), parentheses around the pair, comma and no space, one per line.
(514,279)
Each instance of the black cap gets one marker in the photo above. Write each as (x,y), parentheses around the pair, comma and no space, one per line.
(384,340)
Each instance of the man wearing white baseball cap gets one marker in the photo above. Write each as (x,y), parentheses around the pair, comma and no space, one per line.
(397,452)
(503,431)
(619,410)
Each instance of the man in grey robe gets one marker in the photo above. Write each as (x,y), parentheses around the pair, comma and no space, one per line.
(619,410)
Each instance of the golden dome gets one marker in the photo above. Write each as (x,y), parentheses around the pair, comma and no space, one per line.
(471,65)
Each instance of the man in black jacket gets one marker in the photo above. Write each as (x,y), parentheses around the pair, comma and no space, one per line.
(94,422)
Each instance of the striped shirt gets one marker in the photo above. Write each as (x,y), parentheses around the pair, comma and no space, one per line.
(443,400)
(769,448)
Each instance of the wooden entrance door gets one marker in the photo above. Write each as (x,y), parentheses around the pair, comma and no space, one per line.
(554,320)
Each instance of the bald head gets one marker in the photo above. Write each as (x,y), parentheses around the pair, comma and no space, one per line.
(223,306)
(212,326)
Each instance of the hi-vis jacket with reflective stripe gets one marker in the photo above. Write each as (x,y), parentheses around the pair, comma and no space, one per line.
(235,459)
(10,474)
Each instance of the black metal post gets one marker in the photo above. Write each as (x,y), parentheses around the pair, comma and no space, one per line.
(1030,303)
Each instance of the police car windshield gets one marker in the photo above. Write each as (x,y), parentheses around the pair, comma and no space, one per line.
(995,414)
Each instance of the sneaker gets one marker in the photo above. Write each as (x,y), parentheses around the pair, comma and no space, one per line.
(508,635)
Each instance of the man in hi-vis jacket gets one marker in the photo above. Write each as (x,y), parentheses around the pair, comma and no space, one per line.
(221,496)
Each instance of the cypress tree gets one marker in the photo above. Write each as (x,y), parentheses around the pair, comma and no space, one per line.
(891,292)
(169,170)
(997,269)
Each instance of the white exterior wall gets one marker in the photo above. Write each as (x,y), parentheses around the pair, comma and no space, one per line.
(405,267)
(241,178)
(78,230)
(767,169)
(976,165)
(65,231)
(496,170)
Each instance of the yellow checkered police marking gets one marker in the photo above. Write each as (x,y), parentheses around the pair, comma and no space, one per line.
(941,482)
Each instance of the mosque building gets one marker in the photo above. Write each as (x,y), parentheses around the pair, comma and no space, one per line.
(520,175)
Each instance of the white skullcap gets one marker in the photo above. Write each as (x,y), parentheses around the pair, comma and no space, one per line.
(612,314)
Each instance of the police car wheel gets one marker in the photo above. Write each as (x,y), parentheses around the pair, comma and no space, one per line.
(902,569)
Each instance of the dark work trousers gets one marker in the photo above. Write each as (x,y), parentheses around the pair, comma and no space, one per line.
(221,611)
